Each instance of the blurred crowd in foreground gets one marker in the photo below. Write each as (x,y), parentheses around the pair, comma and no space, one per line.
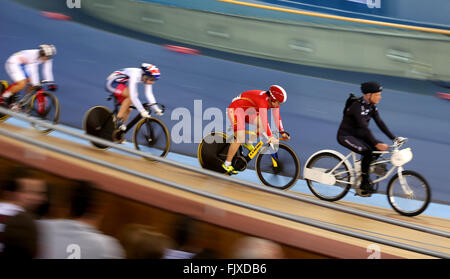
(28,229)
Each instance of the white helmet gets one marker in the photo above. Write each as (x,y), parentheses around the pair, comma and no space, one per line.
(47,50)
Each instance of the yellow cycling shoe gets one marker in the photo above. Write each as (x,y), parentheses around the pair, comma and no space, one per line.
(230,170)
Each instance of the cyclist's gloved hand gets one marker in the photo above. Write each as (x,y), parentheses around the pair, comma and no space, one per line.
(145,114)
(285,135)
(382,146)
(37,87)
(398,140)
(52,87)
(273,140)
(159,112)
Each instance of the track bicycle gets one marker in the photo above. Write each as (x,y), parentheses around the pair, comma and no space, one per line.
(38,103)
(330,175)
(150,135)
(276,165)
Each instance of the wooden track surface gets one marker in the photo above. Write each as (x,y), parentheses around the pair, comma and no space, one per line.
(263,225)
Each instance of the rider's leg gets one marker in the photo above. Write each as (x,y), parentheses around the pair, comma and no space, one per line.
(123,96)
(365,168)
(254,120)
(14,88)
(359,146)
(124,111)
(18,75)
(234,147)
(237,118)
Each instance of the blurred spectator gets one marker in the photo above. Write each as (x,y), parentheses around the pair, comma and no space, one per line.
(20,237)
(78,237)
(256,248)
(142,242)
(183,232)
(21,193)
(187,241)
(33,191)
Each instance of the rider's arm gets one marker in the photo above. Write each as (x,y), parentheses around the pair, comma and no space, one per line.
(47,70)
(265,122)
(134,96)
(356,112)
(382,125)
(33,71)
(149,94)
(277,118)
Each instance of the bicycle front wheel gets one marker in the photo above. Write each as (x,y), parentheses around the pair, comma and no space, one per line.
(44,106)
(151,136)
(326,162)
(277,168)
(98,122)
(411,198)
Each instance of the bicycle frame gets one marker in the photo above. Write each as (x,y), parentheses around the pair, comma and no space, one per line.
(355,171)
(252,152)
(258,147)
(135,119)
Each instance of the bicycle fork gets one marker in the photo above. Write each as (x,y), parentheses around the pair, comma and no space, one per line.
(254,151)
(41,100)
(405,187)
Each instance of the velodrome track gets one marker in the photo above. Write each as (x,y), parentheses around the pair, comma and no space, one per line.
(86,56)
(210,80)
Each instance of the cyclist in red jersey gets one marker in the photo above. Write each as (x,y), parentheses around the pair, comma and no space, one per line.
(252,107)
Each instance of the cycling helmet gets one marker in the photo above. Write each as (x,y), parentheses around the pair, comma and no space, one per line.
(277,92)
(47,50)
(150,70)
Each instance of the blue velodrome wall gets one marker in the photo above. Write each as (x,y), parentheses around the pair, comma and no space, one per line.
(415,12)
(432,13)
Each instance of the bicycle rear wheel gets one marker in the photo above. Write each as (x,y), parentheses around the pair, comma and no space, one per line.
(326,162)
(3,85)
(4,117)
(209,150)
(151,136)
(413,203)
(279,170)
(45,106)
(98,122)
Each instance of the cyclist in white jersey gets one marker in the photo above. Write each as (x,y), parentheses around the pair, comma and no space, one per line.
(23,69)
(123,84)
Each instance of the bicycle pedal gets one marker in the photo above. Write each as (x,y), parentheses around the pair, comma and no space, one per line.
(118,136)
(362,193)
(16,108)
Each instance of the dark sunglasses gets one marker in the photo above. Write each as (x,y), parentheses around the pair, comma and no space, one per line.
(150,78)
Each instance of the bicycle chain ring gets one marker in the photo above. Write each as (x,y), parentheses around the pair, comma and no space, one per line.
(239,163)
(118,136)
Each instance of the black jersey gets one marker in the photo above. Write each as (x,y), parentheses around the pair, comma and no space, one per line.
(356,122)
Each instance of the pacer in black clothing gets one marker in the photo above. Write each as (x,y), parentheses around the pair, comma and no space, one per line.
(354,132)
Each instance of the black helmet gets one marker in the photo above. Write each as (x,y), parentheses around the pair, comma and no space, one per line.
(371,87)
